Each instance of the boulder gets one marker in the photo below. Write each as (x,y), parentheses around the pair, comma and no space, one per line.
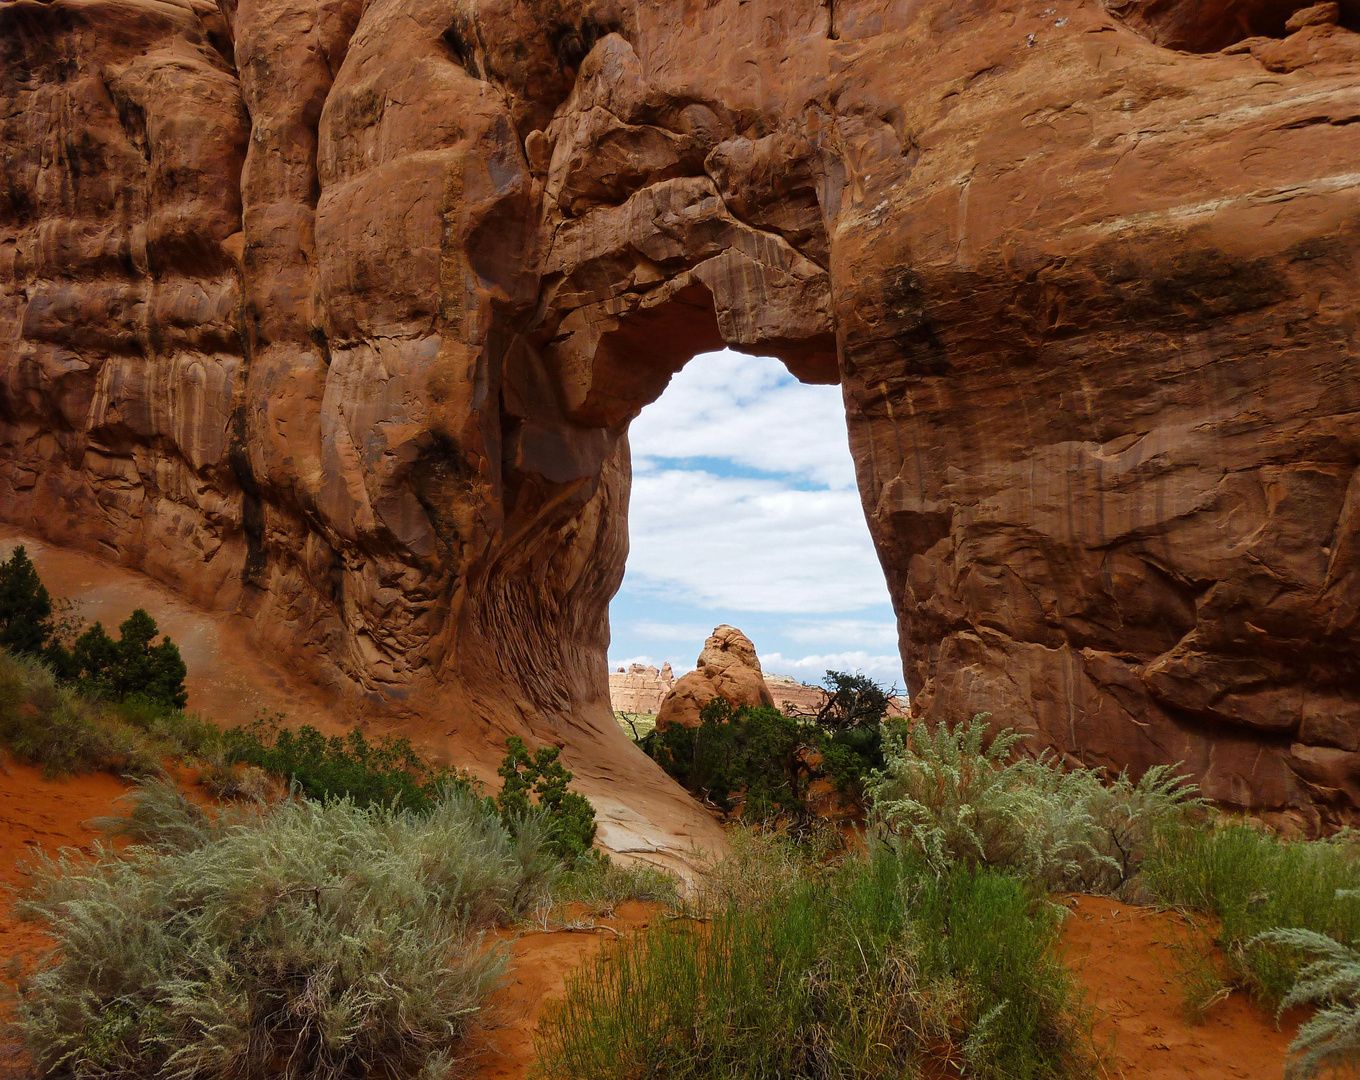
(728,667)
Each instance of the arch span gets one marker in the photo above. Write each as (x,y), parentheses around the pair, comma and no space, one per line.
(336,316)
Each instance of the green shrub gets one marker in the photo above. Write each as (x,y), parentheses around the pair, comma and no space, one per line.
(1255,882)
(958,799)
(53,726)
(866,970)
(756,751)
(766,759)
(1331,1036)
(376,773)
(567,815)
(309,940)
(850,727)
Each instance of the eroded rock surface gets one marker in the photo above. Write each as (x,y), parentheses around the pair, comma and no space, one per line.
(727,667)
(336,314)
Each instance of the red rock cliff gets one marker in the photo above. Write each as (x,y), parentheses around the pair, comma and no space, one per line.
(337,313)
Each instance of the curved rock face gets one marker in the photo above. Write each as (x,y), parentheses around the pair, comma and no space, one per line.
(338,313)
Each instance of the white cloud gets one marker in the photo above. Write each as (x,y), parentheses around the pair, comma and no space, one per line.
(750,544)
(812,669)
(864,633)
(670,631)
(749,410)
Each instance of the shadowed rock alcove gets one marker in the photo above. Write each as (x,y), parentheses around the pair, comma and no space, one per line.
(336,316)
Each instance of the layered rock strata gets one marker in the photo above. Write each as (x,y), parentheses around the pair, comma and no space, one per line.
(336,314)
(641,689)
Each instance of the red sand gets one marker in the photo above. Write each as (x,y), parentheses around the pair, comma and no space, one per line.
(1124,958)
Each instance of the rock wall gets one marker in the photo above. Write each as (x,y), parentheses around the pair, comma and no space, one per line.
(336,314)
(640,689)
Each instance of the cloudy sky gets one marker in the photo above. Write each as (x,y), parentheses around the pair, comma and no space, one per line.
(744,511)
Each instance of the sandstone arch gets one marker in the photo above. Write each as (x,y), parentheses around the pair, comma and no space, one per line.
(335,314)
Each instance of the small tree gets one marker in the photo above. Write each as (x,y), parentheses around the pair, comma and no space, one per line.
(571,818)
(25,606)
(132,665)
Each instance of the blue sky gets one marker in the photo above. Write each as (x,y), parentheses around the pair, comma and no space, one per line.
(744,511)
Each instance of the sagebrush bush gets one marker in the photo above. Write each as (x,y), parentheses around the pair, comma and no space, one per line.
(304,940)
(866,969)
(1253,881)
(1330,1038)
(959,798)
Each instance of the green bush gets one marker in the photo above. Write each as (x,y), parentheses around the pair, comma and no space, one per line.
(55,727)
(756,751)
(766,759)
(309,940)
(959,799)
(381,773)
(1331,1036)
(130,666)
(567,815)
(867,969)
(1255,882)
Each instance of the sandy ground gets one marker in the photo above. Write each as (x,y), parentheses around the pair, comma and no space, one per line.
(1125,959)
(1122,955)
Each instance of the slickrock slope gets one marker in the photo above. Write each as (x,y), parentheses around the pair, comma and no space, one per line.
(336,315)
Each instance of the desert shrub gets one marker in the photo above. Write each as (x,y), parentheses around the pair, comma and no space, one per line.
(53,726)
(865,970)
(850,728)
(308,939)
(758,751)
(567,815)
(1254,882)
(1331,1036)
(957,798)
(383,772)
(159,815)
(602,885)
(765,760)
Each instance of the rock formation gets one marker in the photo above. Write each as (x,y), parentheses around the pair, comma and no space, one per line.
(336,315)
(640,689)
(728,667)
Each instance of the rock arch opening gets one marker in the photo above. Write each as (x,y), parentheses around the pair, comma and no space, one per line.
(745,510)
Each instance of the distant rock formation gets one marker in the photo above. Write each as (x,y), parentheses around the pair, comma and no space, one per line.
(794,697)
(728,667)
(640,689)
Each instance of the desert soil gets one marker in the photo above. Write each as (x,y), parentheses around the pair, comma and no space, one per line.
(1123,956)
